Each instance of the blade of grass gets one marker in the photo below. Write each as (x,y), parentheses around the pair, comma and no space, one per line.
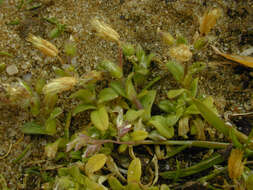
(22,154)
(203,165)
(216,122)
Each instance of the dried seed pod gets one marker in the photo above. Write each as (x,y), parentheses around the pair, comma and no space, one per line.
(105,31)
(59,85)
(244,60)
(181,53)
(44,46)
(235,164)
(208,21)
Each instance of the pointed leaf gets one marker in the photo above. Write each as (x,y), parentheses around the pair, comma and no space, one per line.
(161,124)
(100,119)
(167,106)
(112,68)
(130,90)
(85,95)
(216,122)
(95,163)
(33,128)
(139,135)
(175,93)
(147,103)
(176,69)
(132,115)
(118,87)
(107,94)
(56,112)
(115,183)
(134,171)
(83,107)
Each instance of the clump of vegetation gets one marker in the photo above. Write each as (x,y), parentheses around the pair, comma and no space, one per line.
(102,154)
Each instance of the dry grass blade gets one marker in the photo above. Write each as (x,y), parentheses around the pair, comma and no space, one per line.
(244,60)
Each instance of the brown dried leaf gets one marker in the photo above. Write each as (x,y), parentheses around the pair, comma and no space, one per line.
(244,60)
(235,164)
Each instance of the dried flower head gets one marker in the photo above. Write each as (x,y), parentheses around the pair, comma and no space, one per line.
(44,46)
(208,21)
(59,85)
(166,37)
(181,53)
(105,31)
(235,164)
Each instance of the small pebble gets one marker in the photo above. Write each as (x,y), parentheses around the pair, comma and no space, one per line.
(12,69)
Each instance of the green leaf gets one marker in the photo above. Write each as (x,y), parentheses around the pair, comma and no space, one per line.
(115,183)
(35,105)
(200,43)
(112,68)
(167,106)
(70,48)
(134,171)
(139,135)
(128,49)
(95,163)
(33,128)
(192,109)
(55,113)
(85,95)
(130,90)
(100,119)
(194,87)
(133,186)
(181,40)
(161,124)
(118,87)
(147,103)
(175,93)
(40,83)
(196,67)
(197,168)
(164,187)
(91,185)
(132,115)
(216,122)
(3,53)
(176,69)
(26,86)
(83,107)
(2,67)
(50,126)
(107,94)
(52,148)
(50,101)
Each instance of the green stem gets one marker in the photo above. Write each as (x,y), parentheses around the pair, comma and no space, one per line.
(22,154)
(213,174)
(203,165)
(151,83)
(202,144)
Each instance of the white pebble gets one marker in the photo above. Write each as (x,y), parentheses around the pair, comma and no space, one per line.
(12,69)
